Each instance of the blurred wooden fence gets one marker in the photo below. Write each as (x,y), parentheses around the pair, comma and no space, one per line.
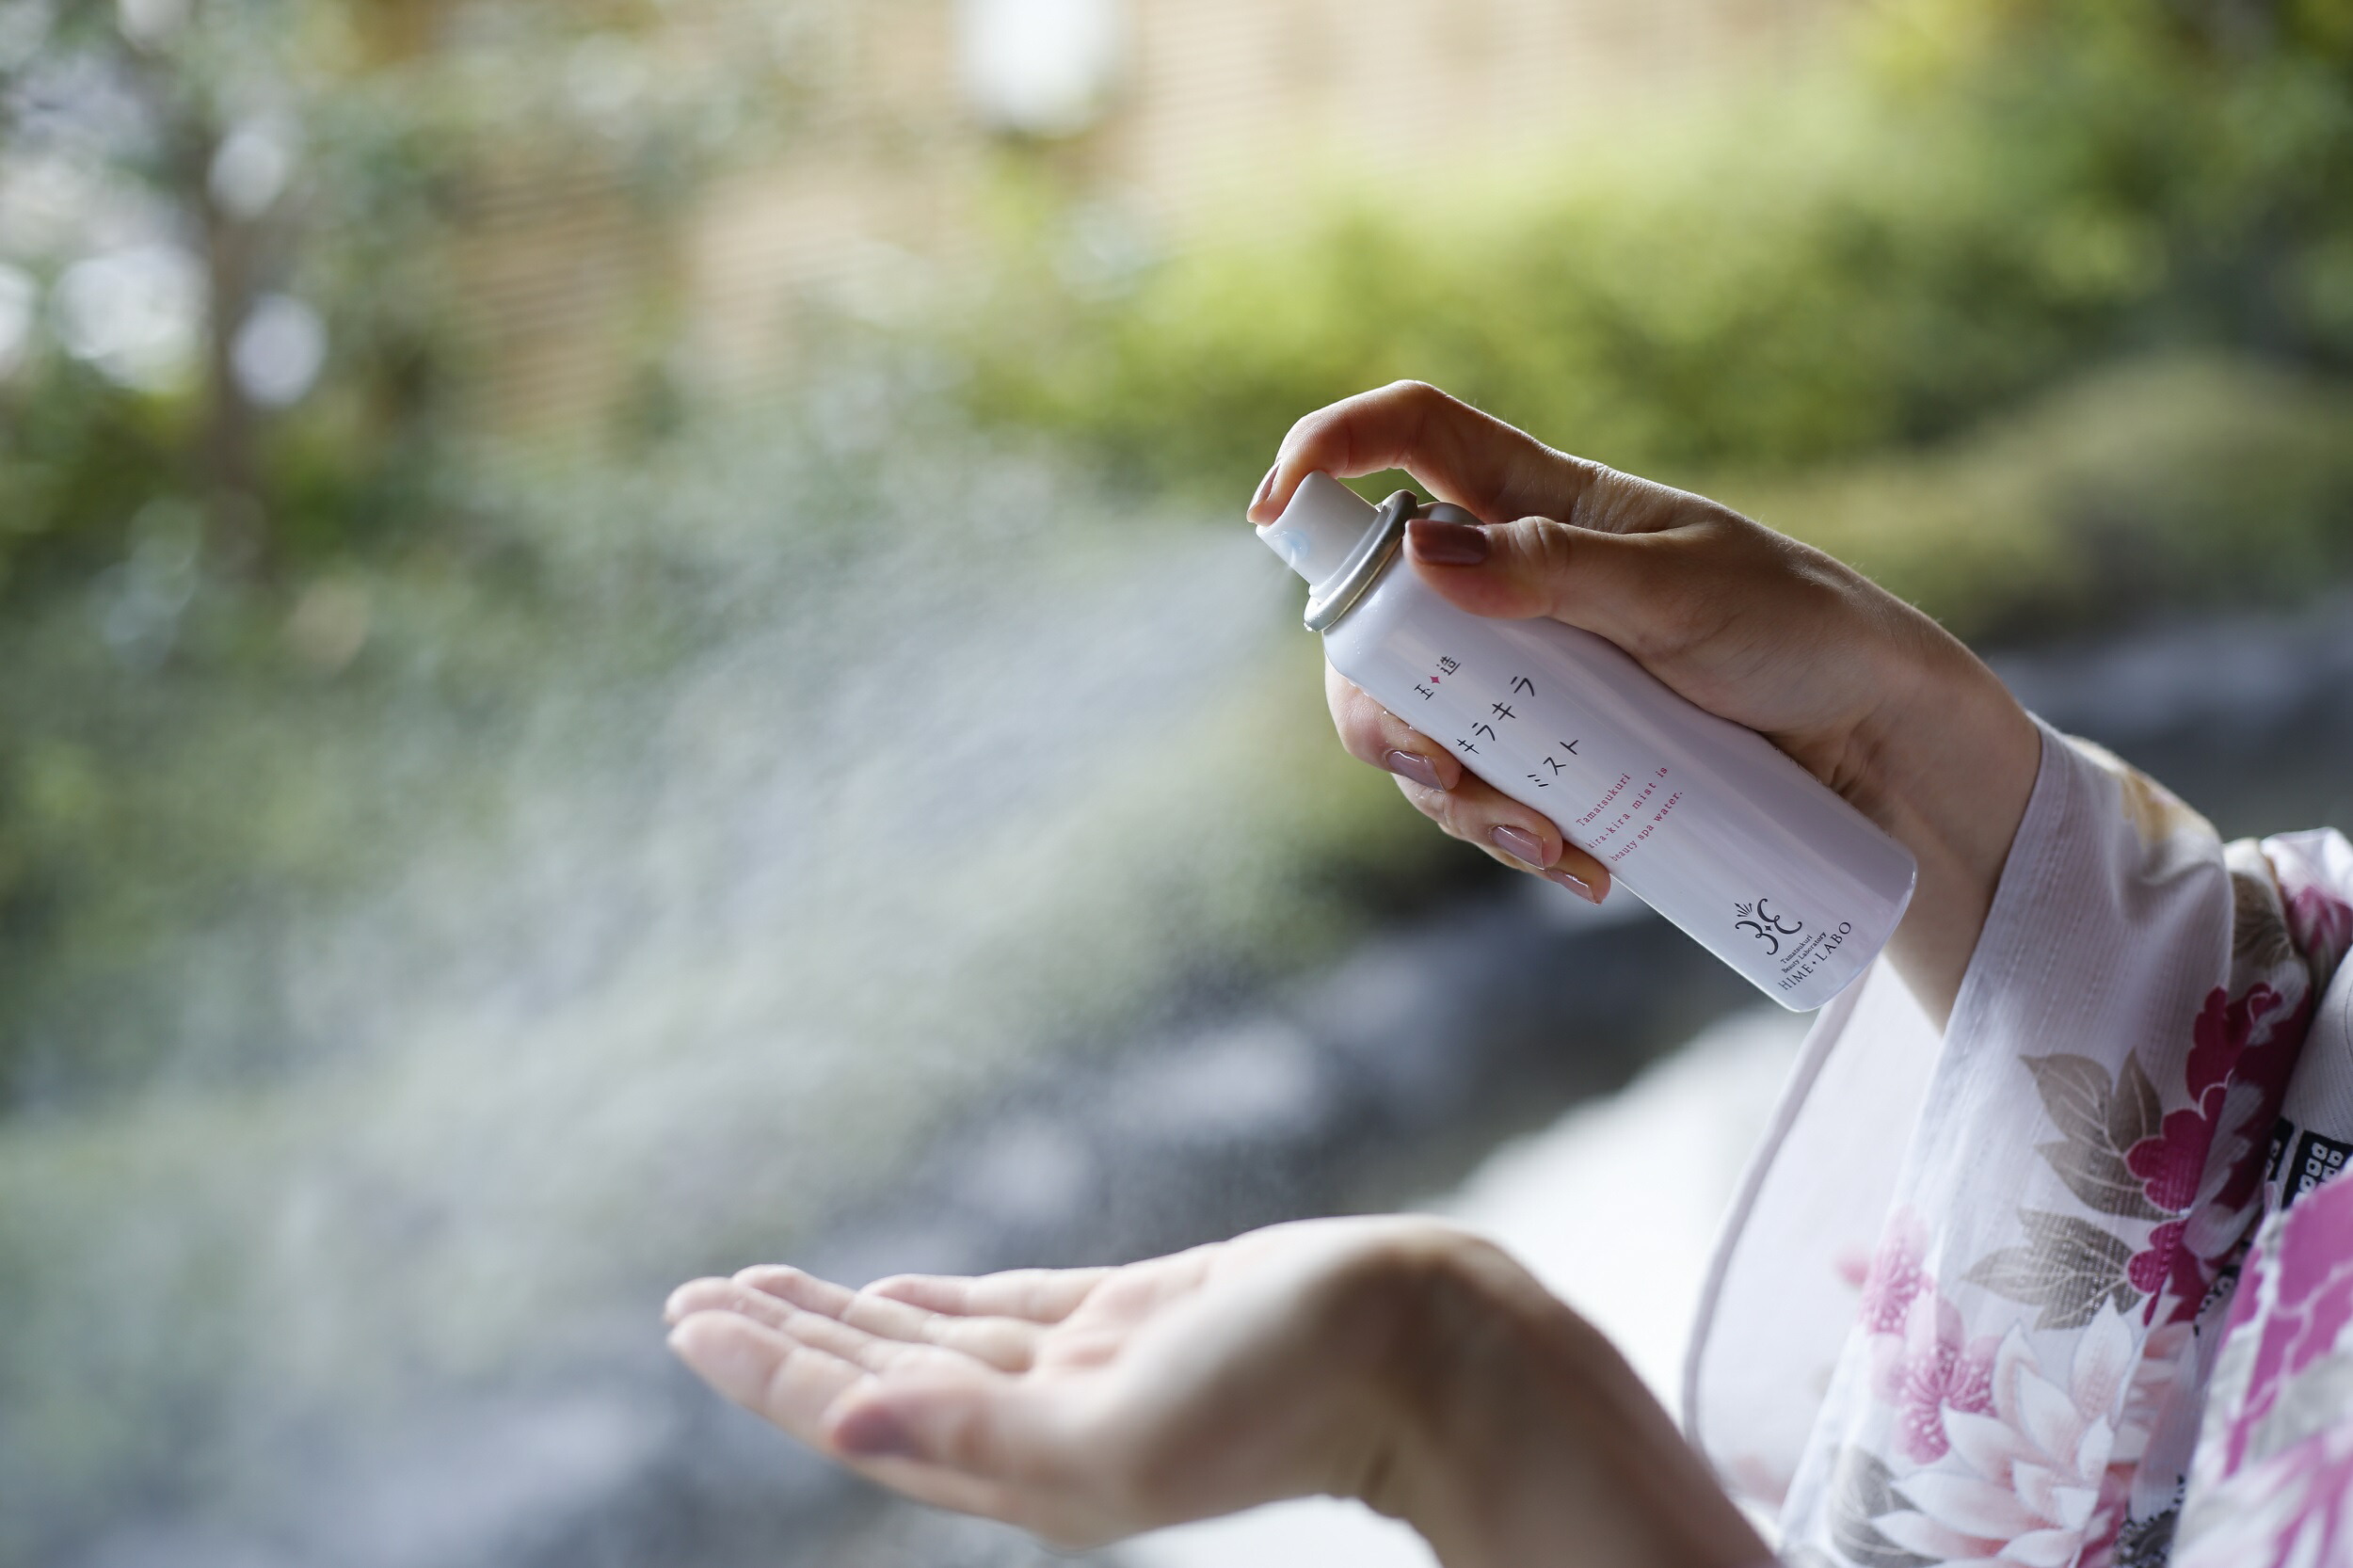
(1223,113)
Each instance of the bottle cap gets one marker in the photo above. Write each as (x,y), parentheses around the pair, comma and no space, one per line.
(1319,528)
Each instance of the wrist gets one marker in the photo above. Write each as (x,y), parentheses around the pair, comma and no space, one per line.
(1522,1437)
(1947,764)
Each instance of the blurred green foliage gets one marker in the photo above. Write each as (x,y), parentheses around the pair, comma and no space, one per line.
(204,727)
(2011,190)
(2177,481)
(2039,316)
(381,127)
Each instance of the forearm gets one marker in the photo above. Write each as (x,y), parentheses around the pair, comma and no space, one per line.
(1530,1441)
(1945,767)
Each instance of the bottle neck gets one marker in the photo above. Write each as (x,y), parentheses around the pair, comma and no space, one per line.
(1338,593)
(1332,599)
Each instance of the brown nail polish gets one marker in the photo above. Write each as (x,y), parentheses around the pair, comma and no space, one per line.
(1575,884)
(1518,844)
(1419,769)
(1446,544)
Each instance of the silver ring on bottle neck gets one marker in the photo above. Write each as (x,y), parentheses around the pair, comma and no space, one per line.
(1338,594)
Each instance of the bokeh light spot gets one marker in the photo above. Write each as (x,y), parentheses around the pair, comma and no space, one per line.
(279,350)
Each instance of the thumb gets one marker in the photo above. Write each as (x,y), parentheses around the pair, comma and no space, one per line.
(1620,586)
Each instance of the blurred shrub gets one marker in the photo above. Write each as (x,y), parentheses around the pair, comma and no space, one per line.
(2179,481)
(74,447)
(2009,191)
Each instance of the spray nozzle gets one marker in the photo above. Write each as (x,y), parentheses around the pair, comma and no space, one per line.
(1340,544)
(1321,527)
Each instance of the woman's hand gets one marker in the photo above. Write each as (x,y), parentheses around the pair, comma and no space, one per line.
(1867,693)
(1395,1360)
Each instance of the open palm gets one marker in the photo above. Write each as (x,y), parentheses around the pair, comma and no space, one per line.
(1088,1404)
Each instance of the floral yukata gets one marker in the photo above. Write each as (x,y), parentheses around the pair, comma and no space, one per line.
(2067,1282)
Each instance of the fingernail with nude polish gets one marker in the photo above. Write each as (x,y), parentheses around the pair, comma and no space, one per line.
(1264,484)
(1419,769)
(1447,544)
(1575,884)
(1519,843)
(874,1432)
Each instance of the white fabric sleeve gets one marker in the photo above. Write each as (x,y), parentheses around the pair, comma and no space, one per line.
(1964,1305)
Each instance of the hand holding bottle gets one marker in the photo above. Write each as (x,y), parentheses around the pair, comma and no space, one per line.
(1866,693)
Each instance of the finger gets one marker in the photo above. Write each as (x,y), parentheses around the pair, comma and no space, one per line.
(683,1301)
(992,1428)
(1001,1446)
(1479,814)
(860,1347)
(798,1286)
(1645,592)
(1008,1344)
(803,1391)
(699,1295)
(1370,733)
(1462,456)
(727,1295)
(1463,803)
(1033,1295)
(768,1372)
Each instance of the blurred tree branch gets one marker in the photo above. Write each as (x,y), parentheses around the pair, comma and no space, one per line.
(324,152)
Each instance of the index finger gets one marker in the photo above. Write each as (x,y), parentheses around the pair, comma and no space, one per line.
(1464,457)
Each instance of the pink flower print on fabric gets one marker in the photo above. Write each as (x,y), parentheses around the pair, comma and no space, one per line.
(2321,925)
(2025,1476)
(2170,1270)
(2204,1163)
(2167,1362)
(1895,1277)
(2170,1164)
(2304,1285)
(1920,1364)
(2293,1511)
(1927,1370)
(2314,874)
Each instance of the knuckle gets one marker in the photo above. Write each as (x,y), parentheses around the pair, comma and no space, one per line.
(1429,803)
(1550,546)
(1611,501)
(1451,814)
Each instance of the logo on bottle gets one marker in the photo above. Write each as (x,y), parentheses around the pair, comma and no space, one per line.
(1767,927)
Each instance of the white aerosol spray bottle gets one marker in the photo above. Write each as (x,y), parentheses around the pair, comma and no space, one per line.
(1706,822)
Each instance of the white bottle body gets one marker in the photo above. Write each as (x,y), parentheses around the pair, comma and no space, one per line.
(1706,822)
